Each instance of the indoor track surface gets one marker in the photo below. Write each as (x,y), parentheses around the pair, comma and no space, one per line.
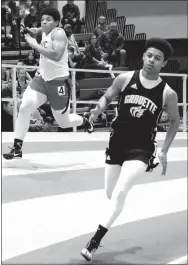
(53,200)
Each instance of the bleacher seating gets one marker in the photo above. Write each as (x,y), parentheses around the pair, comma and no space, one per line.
(140,36)
(91,7)
(129,32)
(82,37)
(110,15)
(121,24)
(100,11)
(134,44)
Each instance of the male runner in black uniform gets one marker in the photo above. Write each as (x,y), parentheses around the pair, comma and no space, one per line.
(142,97)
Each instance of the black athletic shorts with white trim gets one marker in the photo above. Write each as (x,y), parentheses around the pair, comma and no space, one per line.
(117,153)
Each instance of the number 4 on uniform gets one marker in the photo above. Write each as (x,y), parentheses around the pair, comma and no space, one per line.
(61,90)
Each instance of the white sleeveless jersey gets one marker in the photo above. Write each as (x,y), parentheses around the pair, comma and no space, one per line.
(48,68)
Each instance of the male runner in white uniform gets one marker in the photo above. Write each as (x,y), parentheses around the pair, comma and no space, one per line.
(50,83)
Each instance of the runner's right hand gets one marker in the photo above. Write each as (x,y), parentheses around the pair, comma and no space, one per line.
(94,113)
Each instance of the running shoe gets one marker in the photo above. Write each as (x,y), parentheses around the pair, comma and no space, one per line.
(13,154)
(89,250)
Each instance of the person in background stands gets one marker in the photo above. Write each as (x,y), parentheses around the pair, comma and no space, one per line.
(94,56)
(7,116)
(102,27)
(112,43)
(32,19)
(28,77)
(22,82)
(5,12)
(4,76)
(75,56)
(25,9)
(15,19)
(7,89)
(31,61)
(44,4)
(71,15)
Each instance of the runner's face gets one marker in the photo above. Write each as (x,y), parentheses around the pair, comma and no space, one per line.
(153,60)
(48,23)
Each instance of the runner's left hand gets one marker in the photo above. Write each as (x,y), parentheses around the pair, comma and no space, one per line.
(163,160)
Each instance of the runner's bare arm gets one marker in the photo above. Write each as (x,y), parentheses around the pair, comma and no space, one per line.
(33,32)
(59,41)
(171,107)
(111,93)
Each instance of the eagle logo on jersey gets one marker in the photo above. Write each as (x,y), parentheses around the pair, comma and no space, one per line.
(137,111)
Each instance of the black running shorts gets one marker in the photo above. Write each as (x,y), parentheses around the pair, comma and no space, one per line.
(118,152)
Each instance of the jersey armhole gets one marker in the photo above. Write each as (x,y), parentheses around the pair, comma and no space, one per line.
(127,81)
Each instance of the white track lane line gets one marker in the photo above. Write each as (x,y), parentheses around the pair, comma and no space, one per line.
(66,161)
(182,260)
(72,137)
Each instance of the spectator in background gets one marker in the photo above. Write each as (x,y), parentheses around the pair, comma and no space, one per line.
(4,76)
(71,15)
(25,9)
(15,19)
(7,89)
(43,5)
(31,61)
(32,19)
(36,122)
(112,43)
(5,12)
(22,82)
(75,56)
(39,122)
(93,55)
(7,116)
(102,27)
(28,77)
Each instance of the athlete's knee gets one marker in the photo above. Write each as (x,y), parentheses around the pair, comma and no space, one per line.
(64,125)
(63,120)
(27,107)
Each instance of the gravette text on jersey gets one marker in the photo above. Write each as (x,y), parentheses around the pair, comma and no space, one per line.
(140,100)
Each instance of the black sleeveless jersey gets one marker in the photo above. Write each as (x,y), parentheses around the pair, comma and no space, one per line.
(138,111)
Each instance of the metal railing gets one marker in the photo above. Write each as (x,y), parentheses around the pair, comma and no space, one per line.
(73,71)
